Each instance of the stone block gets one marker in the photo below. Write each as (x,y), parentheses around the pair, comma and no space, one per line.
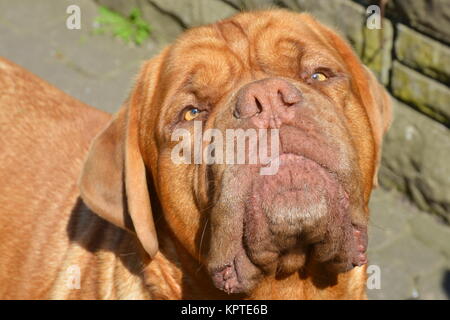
(423,53)
(415,160)
(429,96)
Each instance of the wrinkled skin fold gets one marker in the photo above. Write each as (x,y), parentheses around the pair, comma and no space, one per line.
(104,194)
(246,73)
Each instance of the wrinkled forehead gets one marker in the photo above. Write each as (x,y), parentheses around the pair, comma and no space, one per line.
(249,45)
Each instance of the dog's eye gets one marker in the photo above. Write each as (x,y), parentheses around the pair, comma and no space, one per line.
(191,114)
(319,76)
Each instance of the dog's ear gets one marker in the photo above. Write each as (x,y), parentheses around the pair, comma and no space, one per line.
(113,182)
(380,115)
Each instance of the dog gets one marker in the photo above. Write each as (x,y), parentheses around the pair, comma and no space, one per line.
(94,207)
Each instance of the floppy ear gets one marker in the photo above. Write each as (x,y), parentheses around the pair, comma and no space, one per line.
(380,115)
(113,182)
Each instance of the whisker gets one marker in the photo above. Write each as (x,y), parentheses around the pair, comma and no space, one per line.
(201,242)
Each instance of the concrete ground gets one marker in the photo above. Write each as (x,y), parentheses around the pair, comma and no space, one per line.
(411,248)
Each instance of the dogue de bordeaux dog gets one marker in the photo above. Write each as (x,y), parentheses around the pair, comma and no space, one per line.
(94,207)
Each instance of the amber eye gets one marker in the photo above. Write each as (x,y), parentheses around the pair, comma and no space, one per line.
(319,76)
(191,114)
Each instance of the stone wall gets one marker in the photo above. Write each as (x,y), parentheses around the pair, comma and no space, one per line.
(410,55)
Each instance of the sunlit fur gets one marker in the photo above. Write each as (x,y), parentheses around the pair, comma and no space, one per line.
(45,137)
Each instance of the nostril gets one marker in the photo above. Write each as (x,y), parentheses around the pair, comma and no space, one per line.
(282,98)
(258,105)
(280,94)
(289,95)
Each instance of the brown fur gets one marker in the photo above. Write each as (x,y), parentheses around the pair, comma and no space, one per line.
(136,224)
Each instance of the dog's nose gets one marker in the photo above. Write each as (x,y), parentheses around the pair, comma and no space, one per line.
(267,103)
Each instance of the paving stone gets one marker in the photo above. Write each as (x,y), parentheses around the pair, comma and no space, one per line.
(435,285)
(409,246)
(388,219)
(28,15)
(409,255)
(95,55)
(196,12)
(395,283)
(250,4)
(432,233)
(164,28)
(98,70)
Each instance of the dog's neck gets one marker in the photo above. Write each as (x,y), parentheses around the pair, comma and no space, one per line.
(174,274)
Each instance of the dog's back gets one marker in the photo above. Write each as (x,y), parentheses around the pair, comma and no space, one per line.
(44,137)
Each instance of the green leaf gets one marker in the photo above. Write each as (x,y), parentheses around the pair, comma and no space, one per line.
(131,28)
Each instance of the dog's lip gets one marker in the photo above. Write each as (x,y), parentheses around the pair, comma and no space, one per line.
(285,155)
(215,271)
(221,283)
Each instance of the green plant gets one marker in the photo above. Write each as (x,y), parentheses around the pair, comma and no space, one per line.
(131,28)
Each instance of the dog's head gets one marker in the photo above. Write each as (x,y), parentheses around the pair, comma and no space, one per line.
(287,83)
